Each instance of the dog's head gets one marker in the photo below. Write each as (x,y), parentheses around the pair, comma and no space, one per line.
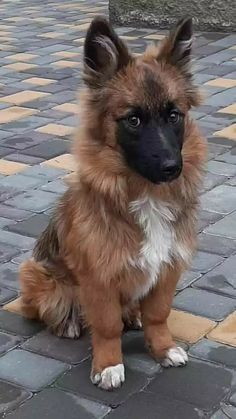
(142,102)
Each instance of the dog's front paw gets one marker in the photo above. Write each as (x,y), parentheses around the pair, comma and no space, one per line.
(110,377)
(175,357)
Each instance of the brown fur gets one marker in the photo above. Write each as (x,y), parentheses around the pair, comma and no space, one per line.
(80,269)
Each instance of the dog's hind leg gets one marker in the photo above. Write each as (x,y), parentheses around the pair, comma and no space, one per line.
(49,295)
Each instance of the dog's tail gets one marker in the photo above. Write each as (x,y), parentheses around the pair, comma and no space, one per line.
(49,295)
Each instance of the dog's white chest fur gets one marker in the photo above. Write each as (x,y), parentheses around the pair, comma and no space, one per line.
(159,245)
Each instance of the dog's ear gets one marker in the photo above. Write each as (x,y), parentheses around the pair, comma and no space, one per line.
(104,53)
(176,48)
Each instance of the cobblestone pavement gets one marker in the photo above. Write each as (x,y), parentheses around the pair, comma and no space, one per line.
(40,375)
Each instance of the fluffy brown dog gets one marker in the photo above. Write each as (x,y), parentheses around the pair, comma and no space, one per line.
(125,230)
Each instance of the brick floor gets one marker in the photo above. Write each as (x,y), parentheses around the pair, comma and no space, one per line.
(40,72)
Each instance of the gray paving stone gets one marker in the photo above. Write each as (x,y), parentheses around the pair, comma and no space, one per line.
(23,256)
(7,193)
(77,381)
(45,172)
(212,180)
(221,279)
(40,105)
(224,227)
(187,279)
(20,142)
(203,262)
(204,303)
(4,151)
(222,121)
(209,350)
(6,295)
(206,218)
(7,252)
(221,199)
(29,370)
(224,142)
(18,325)
(11,397)
(155,406)
(19,182)
(232,399)
(14,213)
(232,181)
(22,158)
(226,412)
(36,201)
(226,41)
(184,384)
(67,350)
(4,134)
(7,342)
(224,98)
(13,239)
(22,126)
(9,275)
(57,186)
(229,157)
(31,227)
(53,403)
(220,168)
(4,222)
(51,88)
(218,245)
(136,355)
(49,149)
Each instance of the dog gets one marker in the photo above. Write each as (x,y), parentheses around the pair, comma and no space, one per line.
(125,230)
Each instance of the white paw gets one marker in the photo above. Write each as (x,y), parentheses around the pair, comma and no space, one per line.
(110,377)
(175,357)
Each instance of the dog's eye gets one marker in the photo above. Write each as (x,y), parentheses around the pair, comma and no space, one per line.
(174,117)
(134,121)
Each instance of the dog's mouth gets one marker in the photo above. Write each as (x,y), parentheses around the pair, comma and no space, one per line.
(170,175)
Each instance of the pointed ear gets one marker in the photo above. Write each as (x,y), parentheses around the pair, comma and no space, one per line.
(176,48)
(104,53)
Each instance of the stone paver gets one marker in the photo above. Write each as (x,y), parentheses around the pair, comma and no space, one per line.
(226,412)
(204,303)
(223,246)
(187,327)
(184,384)
(77,381)
(155,406)
(221,279)
(53,403)
(31,227)
(208,350)
(224,227)
(11,397)
(9,275)
(41,58)
(225,331)
(72,352)
(7,342)
(29,370)
(11,322)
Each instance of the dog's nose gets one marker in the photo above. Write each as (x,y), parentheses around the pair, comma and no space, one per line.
(171,167)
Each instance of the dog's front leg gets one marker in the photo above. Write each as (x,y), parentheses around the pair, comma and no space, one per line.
(103,314)
(155,309)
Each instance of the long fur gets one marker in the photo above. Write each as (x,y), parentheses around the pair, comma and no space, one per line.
(115,237)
